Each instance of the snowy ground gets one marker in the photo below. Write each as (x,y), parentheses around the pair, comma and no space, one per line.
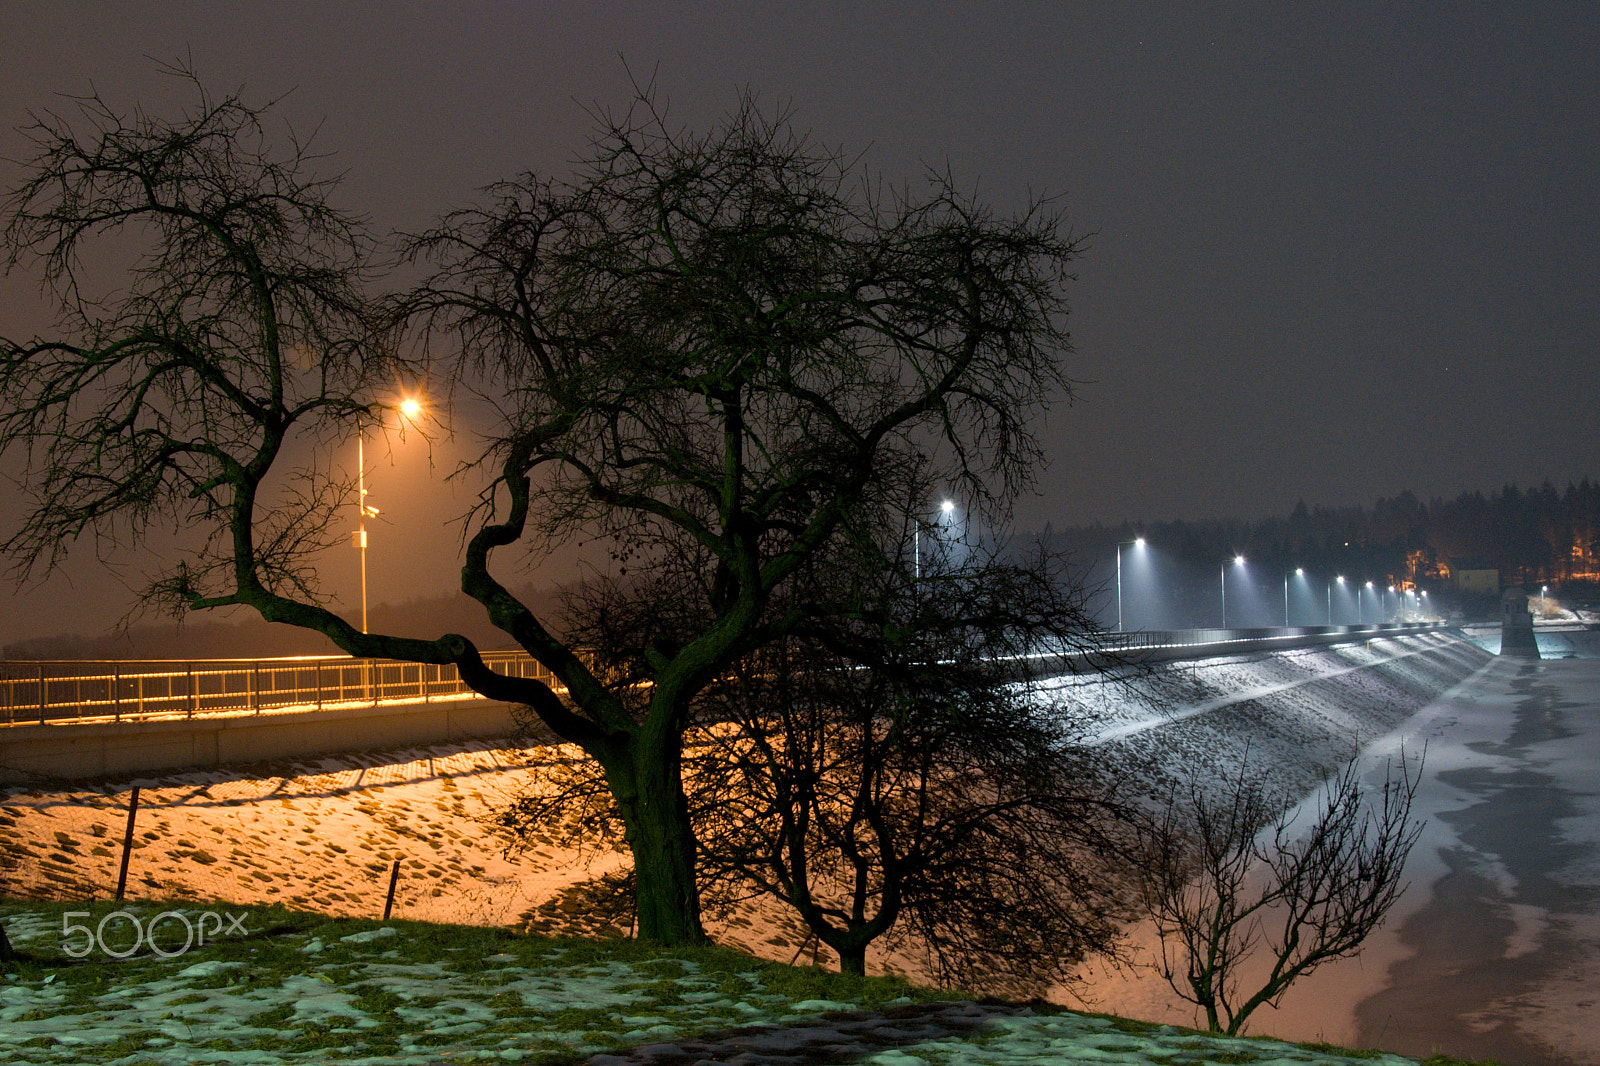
(1494,951)
(335,992)
(321,834)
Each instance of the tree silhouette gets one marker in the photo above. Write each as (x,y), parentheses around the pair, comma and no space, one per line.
(716,346)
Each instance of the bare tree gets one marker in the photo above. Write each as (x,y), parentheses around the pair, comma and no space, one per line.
(887,771)
(1228,877)
(701,345)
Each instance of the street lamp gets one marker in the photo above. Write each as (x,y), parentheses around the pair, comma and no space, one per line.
(1359,615)
(1299,571)
(1238,560)
(947,508)
(1137,542)
(409,409)
(1340,580)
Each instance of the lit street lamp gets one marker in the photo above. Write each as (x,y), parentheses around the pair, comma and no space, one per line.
(1340,580)
(1299,571)
(409,409)
(1137,542)
(1238,560)
(1359,615)
(947,508)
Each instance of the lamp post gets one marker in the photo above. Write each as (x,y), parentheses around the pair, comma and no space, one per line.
(1340,580)
(1238,560)
(947,507)
(409,408)
(1138,542)
(1299,571)
(1359,615)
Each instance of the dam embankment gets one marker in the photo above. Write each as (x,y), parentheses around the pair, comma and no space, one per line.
(1295,714)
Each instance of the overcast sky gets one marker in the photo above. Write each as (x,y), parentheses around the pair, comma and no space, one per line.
(1337,251)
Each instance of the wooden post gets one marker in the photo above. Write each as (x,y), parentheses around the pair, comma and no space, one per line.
(127,842)
(394,878)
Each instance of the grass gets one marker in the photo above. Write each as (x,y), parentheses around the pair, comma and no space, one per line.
(288,986)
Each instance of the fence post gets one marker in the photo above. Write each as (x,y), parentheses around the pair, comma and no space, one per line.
(319,684)
(41,694)
(189,672)
(394,877)
(255,688)
(116,694)
(127,841)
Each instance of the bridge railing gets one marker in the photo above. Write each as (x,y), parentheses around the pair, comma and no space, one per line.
(38,692)
(60,691)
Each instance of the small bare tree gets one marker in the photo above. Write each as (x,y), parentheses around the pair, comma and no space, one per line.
(1227,877)
(886,772)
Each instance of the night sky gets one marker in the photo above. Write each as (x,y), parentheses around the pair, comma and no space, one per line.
(1336,250)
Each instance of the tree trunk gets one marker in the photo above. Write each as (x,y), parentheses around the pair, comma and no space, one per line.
(659,834)
(853,960)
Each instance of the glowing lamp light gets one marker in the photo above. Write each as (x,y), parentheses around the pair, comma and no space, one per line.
(410,408)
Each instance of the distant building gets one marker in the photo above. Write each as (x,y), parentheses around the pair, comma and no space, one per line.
(1473,576)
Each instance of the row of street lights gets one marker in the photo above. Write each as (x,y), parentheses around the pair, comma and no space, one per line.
(1239,561)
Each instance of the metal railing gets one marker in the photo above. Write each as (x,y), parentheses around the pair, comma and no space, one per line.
(39,692)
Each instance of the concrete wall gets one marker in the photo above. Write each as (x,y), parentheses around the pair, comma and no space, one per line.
(99,749)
